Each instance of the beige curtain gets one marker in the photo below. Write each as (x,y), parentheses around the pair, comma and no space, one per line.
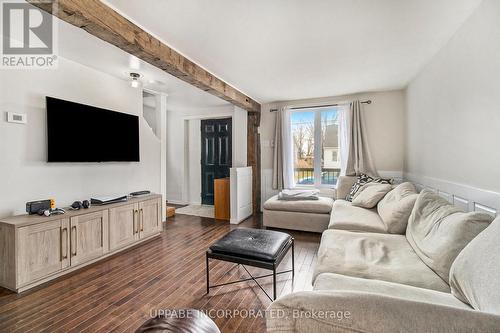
(283,152)
(278,152)
(358,153)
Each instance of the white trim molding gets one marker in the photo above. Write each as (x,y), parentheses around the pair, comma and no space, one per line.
(466,197)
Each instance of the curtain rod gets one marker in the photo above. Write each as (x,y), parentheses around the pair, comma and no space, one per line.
(320,106)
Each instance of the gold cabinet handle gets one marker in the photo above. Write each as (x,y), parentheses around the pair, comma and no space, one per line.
(64,249)
(142,219)
(136,222)
(133,221)
(76,239)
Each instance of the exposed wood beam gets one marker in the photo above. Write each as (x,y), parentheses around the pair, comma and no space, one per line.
(253,158)
(103,22)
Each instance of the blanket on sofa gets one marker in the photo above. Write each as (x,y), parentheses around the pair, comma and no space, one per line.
(294,195)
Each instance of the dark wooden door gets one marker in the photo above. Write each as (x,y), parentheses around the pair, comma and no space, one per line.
(216,155)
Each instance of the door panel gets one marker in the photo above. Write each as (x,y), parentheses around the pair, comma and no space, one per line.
(150,217)
(43,250)
(216,155)
(223,151)
(123,226)
(88,237)
(209,156)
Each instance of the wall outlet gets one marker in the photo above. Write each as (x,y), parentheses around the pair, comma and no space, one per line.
(18,118)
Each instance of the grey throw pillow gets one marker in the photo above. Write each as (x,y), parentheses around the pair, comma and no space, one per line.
(370,194)
(362,180)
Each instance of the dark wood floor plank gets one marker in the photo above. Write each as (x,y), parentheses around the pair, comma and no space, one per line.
(120,293)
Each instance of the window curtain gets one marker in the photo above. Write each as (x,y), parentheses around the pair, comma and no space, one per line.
(283,152)
(344,131)
(355,153)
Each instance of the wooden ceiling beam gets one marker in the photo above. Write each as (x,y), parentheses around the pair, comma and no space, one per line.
(103,22)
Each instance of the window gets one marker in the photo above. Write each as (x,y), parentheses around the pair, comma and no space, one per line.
(315,146)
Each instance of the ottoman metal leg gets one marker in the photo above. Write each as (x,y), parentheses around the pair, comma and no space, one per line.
(208,274)
(293,258)
(274,282)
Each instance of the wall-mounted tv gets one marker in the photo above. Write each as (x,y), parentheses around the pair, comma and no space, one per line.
(84,133)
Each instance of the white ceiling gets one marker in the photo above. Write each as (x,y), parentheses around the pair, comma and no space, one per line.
(77,45)
(293,49)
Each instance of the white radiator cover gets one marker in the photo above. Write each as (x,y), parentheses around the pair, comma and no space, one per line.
(241,194)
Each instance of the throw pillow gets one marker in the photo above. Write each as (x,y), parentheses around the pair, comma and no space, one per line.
(370,194)
(395,208)
(437,231)
(475,273)
(365,179)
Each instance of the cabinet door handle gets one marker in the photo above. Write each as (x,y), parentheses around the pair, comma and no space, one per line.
(142,219)
(133,221)
(73,229)
(136,222)
(64,249)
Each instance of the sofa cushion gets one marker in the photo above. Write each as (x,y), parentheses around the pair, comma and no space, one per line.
(374,256)
(396,206)
(437,231)
(321,206)
(475,273)
(344,186)
(345,216)
(370,194)
(334,282)
(363,180)
(362,312)
(295,220)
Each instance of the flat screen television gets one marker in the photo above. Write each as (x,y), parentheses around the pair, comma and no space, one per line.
(84,133)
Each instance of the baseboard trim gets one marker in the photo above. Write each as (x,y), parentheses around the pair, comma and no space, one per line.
(177,202)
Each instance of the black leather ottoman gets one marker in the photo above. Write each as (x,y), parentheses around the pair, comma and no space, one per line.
(252,247)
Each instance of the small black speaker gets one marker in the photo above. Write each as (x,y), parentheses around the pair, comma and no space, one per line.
(33,207)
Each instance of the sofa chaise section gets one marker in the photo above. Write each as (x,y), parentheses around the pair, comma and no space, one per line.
(306,215)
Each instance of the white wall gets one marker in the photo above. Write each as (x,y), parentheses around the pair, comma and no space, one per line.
(453,115)
(385,132)
(25,175)
(239,140)
(184,148)
(193,162)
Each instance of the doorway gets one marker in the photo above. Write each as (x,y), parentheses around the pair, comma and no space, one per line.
(216,155)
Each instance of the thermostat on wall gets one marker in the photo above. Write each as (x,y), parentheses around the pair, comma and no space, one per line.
(19,118)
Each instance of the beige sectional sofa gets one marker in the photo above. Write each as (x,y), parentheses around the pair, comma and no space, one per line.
(440,274)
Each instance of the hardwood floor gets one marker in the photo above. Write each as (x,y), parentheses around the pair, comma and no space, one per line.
(120,293)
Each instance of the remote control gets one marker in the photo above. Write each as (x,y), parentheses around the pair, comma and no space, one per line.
(135,194)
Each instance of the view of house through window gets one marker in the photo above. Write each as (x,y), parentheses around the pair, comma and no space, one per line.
(315,146)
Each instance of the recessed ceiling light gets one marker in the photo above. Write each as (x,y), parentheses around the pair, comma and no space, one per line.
(135,83)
